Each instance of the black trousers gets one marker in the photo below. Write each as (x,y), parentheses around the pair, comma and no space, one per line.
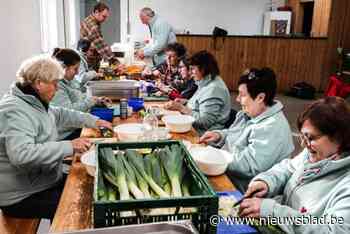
(39,205)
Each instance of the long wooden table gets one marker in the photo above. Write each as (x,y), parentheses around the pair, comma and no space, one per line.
(75,208)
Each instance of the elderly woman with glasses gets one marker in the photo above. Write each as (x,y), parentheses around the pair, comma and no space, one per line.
(210,105)
(168,73)
(31,155)
(314,184)
(260,136)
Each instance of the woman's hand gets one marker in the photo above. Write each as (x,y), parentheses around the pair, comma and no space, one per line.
(172,105)
(181,100)
(156,73)
(257,188)
(102,101)
(250,207)
(146,72)
(120,69)
(81,145)
(140,54)
(99,75)
(177,106)
(209,137)
(100,123)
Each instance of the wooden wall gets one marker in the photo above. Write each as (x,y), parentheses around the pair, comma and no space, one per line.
(320,20)
(297,15)
(312,60)
(293,60)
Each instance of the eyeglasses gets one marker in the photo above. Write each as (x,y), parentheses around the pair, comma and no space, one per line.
(305,139)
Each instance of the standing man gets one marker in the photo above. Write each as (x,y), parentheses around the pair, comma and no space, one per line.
(90,28)
(162,34)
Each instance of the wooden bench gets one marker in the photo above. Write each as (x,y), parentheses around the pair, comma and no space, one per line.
(9,225)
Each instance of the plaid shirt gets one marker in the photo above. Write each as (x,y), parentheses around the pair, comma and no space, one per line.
(169,74)
(91,30)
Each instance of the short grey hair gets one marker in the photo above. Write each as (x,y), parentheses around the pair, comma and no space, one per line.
(40,67)
(148,11)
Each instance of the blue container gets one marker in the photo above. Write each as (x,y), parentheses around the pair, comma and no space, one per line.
(228,228)
(136,103)
(103,113)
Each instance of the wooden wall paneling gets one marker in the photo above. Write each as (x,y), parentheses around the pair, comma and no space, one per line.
(293,60)
(275,59)
(346,27)
(224,55)
(317,18)
(283,63)
(307,71)
(297,16)
(320,21)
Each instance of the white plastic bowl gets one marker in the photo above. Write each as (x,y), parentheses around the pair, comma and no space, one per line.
(89,161)
(130,132)
(210,160)
(178,123)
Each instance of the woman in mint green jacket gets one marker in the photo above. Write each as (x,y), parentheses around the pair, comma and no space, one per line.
(67,95)
(315,185)
(210,105)
(31,156)
(260,136)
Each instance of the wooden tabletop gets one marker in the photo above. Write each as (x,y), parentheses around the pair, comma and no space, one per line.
(75,207)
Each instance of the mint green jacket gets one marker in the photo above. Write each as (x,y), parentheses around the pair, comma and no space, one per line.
(162,34)
(320,189)
(30,153)
(68,96)
(210,104)
(85,74)
(256,144)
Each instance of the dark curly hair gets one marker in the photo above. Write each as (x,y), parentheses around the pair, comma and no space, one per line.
(331,116)
(178,48)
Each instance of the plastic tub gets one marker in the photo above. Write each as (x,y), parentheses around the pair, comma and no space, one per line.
(136,103)
(130,131)
(103,113)
(210,160)
(178,123)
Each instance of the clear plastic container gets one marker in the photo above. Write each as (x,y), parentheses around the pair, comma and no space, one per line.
(150,122)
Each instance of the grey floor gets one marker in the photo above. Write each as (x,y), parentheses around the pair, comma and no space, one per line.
(292,107)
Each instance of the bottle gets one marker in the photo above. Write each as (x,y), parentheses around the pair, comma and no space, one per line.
(123,108)
(150,122)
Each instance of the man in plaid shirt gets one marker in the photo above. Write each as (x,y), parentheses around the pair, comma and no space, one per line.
(90,28)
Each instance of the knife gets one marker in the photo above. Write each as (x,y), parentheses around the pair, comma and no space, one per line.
(240,201)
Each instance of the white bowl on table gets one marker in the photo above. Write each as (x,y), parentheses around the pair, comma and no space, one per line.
(130,131)
(210,160)
(88,159)
(178,123)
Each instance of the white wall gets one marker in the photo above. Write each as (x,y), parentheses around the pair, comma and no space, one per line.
(20,38)
(238,17)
